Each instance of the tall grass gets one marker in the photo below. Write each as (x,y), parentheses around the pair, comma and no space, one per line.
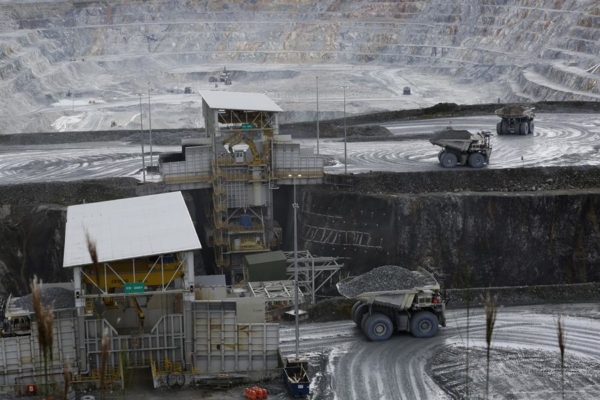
(560,334)
(491,307)
(44,317)
(92,250)
(67,380)
(463,280)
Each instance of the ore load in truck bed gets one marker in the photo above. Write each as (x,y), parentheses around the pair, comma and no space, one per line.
(514,110)
(386,278)
(450,134)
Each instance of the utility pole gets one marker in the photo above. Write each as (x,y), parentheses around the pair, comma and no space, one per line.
(345,136)
(150,123)
(317,115)
(295,206)
(142,140)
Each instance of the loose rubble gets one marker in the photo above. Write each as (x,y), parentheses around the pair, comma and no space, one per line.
(387,277)
(485,180)
(334,309)
(60,298)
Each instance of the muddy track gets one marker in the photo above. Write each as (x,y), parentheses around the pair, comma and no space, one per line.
(524,357)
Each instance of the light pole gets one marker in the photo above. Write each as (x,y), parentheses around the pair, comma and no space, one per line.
(317,115)
(150,123)
(142,140)
(295,206)
(345,148)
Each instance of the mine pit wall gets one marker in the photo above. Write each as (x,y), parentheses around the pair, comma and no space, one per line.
(507,239)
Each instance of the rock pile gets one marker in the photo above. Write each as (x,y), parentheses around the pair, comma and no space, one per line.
(60,298)
(388,277)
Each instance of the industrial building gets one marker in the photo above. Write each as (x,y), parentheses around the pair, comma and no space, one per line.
(140,295)
(242,157)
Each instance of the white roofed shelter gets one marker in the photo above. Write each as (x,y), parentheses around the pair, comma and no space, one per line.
(239,101)
(143,244)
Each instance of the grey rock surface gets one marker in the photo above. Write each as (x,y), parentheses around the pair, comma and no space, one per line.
(387,277)
(68,68)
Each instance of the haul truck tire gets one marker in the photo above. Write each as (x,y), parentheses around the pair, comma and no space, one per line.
(442,151)
(354,307)
(476,160)
(357,316)
(531,127)
(448,160)
(378,327)
(524,128)
(424,324)
(499,128)
(363,321)
(504,127)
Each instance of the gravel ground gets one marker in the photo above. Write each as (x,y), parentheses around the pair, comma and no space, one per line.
(68,193)
(60,299)
(484,180)
(334,127)
(337,308)
(388,277)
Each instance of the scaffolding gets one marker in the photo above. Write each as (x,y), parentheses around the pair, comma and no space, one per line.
(248,159)
(313,271)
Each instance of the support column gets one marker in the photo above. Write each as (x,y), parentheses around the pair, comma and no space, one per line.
(79,302)
(188,299)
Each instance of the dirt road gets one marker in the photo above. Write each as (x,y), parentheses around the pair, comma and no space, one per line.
(559,140)
(525,361)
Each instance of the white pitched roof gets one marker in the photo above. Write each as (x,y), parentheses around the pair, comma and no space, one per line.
(239,101)
(129,228)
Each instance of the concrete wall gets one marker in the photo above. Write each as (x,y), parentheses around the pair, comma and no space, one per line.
(221,344)
(21,356)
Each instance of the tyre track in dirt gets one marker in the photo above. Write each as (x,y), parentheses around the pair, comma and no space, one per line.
(405,367)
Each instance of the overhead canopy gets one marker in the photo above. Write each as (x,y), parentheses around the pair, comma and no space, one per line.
(239,101)
(129,228)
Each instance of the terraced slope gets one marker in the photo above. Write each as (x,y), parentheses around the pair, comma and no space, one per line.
(528,49)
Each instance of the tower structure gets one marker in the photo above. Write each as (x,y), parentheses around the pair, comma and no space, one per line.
(243,159)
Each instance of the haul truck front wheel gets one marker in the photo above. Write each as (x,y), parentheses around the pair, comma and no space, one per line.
(424,324)
(378,327)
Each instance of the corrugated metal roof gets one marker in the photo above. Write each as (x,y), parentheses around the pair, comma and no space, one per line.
(239,101)
(129,228)
(265,257)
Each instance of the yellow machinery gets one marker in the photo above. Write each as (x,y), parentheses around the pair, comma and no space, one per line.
(110,279)
(139,312)
(238,137)
(151,271)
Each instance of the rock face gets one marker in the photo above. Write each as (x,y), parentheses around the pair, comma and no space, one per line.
(31,243)
(32,226)
(536,49)
(472,239)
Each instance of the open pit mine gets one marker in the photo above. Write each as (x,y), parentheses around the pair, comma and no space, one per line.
(327,199)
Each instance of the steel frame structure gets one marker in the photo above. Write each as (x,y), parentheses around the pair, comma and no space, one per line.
(275,291)
(310,268)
